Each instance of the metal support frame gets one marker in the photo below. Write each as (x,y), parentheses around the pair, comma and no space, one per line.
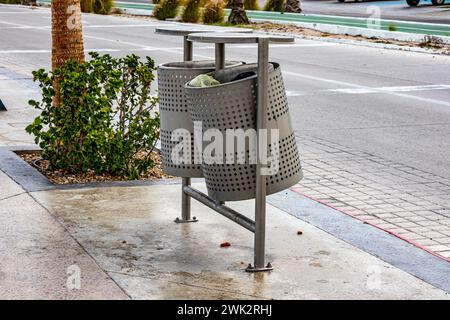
(187,49)
(185,203)
(260,199)
(220,56)
(219,207)
(185,181)
(258,227)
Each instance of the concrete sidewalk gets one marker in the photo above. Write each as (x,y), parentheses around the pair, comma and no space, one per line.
(39,257)
(124,243)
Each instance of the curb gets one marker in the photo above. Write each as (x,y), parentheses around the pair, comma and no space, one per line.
(355,31)
(374,241)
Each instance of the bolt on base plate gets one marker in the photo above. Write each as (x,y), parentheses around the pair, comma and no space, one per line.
(178,220)
(250,268)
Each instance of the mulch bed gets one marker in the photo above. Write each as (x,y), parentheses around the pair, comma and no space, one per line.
(63,177)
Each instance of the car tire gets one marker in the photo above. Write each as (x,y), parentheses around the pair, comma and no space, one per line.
(437,2)
(341,0)
(413,3)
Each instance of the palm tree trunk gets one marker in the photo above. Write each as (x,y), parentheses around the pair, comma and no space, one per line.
(67,36)
(238,14)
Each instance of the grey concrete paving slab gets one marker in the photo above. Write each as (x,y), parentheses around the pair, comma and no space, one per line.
(40,260)
(8,187)
(131,234)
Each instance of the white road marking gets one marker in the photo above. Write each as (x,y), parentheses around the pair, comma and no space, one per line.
(371,90)
(361,89)
(123,25)
(378,90)
(86,50)
(22,12)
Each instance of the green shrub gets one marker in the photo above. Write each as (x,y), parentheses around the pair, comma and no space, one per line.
(11,1)
(213,12)
(156,1)
(102,6)
(274,5)
(105,121)
(392,27)
(251,5)
(166,9)
(86,5)
(191,12)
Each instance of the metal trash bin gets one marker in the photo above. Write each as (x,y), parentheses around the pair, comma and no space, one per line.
(233,105)
(174,110)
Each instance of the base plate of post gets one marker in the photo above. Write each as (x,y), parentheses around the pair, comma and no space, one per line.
(178,220)
(251,268)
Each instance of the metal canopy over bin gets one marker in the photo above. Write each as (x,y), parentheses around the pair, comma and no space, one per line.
(264,111)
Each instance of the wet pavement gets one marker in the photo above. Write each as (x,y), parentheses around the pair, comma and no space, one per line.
(130,233)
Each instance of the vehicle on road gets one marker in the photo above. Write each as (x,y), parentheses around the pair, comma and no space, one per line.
(414,3)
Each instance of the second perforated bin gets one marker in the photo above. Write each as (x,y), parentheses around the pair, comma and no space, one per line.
(175,113)
(233,105)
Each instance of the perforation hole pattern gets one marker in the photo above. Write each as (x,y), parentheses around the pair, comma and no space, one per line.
(174,109)
(233,106)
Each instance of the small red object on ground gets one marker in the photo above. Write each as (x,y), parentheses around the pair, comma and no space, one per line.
(225,244)
(299,232)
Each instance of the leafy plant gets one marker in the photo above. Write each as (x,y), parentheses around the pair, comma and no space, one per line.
(251,5)
(191,12)
(213,12)
(166,9)
(11,1)
(86,5)
(430,41)
(392,27)
(102,6)
(105,120)
(274,5)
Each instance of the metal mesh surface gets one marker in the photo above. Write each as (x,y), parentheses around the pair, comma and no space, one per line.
(232,105)
(174,110)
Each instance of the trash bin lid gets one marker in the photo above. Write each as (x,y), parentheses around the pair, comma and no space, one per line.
(237,37)
(187,29)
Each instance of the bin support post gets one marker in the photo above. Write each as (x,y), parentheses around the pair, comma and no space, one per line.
(260,199)
(187,49)
(220,56)
(185,203)
(186,182)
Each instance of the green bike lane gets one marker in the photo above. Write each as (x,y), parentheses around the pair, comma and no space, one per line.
(387,25)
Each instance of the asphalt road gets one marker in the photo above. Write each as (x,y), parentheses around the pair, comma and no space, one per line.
(394,104)
(389,9)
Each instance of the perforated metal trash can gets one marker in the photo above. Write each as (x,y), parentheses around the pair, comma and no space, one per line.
(174,110)
(233,105)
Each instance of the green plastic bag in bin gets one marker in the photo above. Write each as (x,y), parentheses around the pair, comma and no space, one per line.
(203,80)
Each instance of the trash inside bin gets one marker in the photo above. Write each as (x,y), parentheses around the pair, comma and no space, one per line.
(174,110)
(232,105)
(203,80)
